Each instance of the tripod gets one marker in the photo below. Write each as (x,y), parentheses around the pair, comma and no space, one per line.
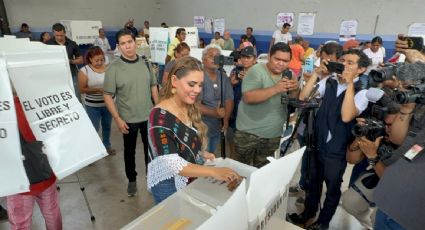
(82,188)
(307,111)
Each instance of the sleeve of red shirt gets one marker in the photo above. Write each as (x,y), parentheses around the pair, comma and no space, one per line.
(23,125)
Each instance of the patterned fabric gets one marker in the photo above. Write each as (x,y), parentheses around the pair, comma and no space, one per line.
(173,145)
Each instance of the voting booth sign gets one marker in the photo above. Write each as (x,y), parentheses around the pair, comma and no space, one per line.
(82,32)
(13,177)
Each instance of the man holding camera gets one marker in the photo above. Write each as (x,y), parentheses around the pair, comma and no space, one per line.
(260,114)
(342,101)
(245,59)
(215,90)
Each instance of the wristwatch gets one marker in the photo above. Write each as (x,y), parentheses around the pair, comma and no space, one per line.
(373,161)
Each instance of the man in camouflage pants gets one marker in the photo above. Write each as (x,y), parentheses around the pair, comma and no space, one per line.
(261,115)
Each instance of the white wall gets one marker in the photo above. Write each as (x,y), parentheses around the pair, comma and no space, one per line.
(394,15)
(112,13)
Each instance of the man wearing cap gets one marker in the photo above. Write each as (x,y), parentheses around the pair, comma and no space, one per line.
(247,58)
(261,115)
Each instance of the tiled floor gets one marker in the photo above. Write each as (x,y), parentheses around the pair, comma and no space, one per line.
(105,187)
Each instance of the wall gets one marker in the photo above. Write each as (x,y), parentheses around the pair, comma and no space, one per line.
(394,16)
(41,14)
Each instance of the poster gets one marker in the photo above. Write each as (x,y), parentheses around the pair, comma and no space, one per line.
(209,25)
(15,180)
(306,23)
(53,112)
(348,30)
(192,36)
(283,18)
(82,32)
(417,30)
(199,22)
(219,25)
(158,44)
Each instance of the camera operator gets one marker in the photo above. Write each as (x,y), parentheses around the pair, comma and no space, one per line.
(400,192)
(244,60)
(212,93)
(260,114)
(358,199)
(342,101)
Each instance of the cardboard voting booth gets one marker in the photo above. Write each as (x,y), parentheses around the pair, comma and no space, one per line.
(258,203)
(41,77)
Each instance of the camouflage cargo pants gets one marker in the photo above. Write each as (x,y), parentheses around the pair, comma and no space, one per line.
(254,150)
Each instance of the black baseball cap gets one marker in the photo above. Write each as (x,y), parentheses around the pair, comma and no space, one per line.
(249,51)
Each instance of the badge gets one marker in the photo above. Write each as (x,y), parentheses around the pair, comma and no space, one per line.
(413,152)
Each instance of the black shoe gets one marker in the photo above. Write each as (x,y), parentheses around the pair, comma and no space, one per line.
(297,219)
(3,214)
(318,226)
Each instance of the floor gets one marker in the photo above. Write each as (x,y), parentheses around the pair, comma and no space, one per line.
(105,186)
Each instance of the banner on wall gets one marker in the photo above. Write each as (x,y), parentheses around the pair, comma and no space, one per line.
(306,23)
(199,22)
(192,36)
(55,115)
(219,25)
(282,18)
(82,32)
(14,178)
(348,30)
(209,25)
(417,30)
(158,44)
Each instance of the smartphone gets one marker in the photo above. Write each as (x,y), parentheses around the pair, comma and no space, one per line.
(287,73)
(416,43)
(335,67)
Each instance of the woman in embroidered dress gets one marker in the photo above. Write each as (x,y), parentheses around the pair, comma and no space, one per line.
(177,135)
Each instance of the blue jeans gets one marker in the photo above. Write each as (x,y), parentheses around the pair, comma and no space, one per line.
(99,115)
(163,190)
(384,222)
(213,141)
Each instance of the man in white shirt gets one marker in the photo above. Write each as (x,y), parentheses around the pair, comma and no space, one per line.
(103,43)
(282,35)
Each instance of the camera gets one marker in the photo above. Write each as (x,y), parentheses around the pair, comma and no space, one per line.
(335,67)
(222,60)
(383,74)
(374,126)
(414,94)
(284,99)
(238,69)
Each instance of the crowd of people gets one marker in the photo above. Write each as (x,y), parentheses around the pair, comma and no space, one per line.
(184,113)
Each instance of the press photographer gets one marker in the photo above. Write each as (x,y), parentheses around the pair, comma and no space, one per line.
(400,192)
(371,152)
(243,61)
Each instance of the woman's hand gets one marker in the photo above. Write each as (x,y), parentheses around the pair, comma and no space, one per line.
(225,174)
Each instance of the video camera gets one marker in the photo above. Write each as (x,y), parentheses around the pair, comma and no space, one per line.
(222,60)
(414,94)
(383,74)
(373,126)
(238,69)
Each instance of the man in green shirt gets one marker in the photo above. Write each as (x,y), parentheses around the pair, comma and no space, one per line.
(261,115)
(129,78)
(228,41)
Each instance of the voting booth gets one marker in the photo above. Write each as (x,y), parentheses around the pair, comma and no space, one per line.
(41,77)
(259,202)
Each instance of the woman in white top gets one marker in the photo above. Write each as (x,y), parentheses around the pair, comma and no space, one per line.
(376,54)
(90,80)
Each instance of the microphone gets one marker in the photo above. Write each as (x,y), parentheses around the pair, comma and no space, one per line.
(414,71)
(312,93)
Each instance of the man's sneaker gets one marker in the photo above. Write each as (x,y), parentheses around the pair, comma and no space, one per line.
(132,188)
(3,214)
(318,226)
(295,190)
